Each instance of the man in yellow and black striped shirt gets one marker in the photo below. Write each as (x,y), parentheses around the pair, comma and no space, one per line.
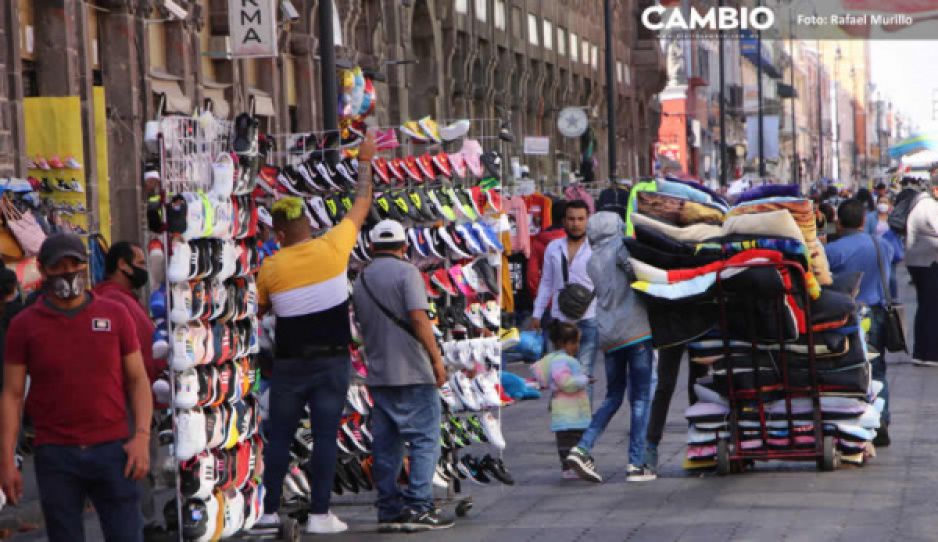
(306,287)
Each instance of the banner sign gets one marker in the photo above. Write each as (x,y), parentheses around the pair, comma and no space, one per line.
(252,25)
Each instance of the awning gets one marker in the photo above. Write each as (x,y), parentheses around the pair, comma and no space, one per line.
(216,92)
(263,103)
(748,44)
(168,85)
(914,144)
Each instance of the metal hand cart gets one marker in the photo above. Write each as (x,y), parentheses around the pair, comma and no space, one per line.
(732,455)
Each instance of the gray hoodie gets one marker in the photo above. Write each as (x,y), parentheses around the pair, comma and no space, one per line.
(620,313)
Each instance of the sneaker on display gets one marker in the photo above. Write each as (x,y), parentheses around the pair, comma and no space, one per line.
(472,242)
(492,313)
(234,512)
(431,291)
(425,166)
(413,130)
(180,262)
(200,519)
(492,162)
(325,524)
(418,243)
(493,430)
(156,261)
(197,476)
(195,216)
(459,280)
(485,383)
(488,236)
(190,434)
(509,338)
(411,169)
(474,313)
(436,245)
(496,467)
(318,205)
(476,473)
(455,244)
(450,398)
(223,173)
(430,128)
(583,465)
(160,343)
(455,130)
(396,168)
(386,140)
(187,389)
(183,349)
(464,392)
(442,280)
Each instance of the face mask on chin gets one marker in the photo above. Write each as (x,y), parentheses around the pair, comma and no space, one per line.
(66,286)
(882,207)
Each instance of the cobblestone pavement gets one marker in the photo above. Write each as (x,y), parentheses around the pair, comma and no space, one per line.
(892,498)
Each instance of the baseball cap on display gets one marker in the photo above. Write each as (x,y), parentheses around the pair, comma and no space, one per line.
(62,245)
(388,231)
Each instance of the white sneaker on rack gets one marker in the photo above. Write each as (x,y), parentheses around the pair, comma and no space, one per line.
(325,524)
(492,428)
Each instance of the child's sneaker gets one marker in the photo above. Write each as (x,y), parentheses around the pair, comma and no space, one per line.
(584,466)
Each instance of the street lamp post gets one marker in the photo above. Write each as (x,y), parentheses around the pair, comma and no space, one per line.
(723,164)
(759,89)
(327,76)
(610,91)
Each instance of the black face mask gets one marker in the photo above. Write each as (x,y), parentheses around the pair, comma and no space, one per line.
(139,277)
(66,286)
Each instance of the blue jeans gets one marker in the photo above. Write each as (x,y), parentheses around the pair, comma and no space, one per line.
(589,337)
(67,475)
(629,368)
(321,383)
(405,415)
(877,339)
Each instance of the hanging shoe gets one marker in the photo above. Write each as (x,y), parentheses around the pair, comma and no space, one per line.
(431,129)
(455,130)
(413,130)
(425,165)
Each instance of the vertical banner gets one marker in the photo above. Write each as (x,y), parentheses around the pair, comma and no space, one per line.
(252,25)
(104,178)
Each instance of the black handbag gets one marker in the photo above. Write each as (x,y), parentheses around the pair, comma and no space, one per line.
(895,331)
(573,299)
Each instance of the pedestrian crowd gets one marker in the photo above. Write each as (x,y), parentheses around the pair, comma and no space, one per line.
(572,281)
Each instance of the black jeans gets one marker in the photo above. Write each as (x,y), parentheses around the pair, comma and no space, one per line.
(322,384)
(566,441)
(925,340)
(669,365)
(67,475)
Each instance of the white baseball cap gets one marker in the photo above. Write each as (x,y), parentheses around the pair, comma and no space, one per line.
(388,231)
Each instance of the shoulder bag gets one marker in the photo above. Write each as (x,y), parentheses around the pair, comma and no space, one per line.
(573,299)
(894,340)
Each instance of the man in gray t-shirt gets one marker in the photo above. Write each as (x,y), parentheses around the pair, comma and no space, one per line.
(404,371)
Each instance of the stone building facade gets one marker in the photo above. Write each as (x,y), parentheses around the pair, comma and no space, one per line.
(518,60)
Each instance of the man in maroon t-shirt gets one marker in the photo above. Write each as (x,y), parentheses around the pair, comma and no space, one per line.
(83,358)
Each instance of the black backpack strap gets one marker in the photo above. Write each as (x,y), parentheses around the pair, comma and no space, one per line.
(563,268)
(387,312)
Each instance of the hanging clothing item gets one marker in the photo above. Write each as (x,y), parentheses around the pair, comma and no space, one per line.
(536,261)
(508,297)
(650,185)
(539,217)
(576,191)
(520,222)
(518,268)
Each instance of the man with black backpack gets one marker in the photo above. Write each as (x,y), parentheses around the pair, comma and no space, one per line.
(405,369)
(921,257)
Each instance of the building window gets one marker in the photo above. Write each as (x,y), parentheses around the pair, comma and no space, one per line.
(626,75)
(516,21)
(585,52)
(532,29)
(548,35)
(30,79)
(594,57)
(462,6)
(574,46)
(618,71)
(500,14)
(482,13)
(561,41)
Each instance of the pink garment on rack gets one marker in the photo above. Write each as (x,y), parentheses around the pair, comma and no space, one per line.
(518,217)
(576,191)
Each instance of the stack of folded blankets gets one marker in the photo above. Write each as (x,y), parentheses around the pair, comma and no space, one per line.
(689,245)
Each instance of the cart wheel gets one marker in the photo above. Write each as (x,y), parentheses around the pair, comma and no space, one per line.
(463,507)
(723,458)
(831,459)
(291,531)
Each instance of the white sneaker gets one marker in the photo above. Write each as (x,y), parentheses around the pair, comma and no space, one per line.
(325,524)
(187,389)
(493,430)
(180,262)
(925,363)
(463,388)
(223,172)
(190,434)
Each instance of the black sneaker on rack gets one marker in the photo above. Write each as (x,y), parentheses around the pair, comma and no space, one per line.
(245,135)
(496,467)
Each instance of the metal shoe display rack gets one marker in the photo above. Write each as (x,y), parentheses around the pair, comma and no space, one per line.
(188,149)
(296,154)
